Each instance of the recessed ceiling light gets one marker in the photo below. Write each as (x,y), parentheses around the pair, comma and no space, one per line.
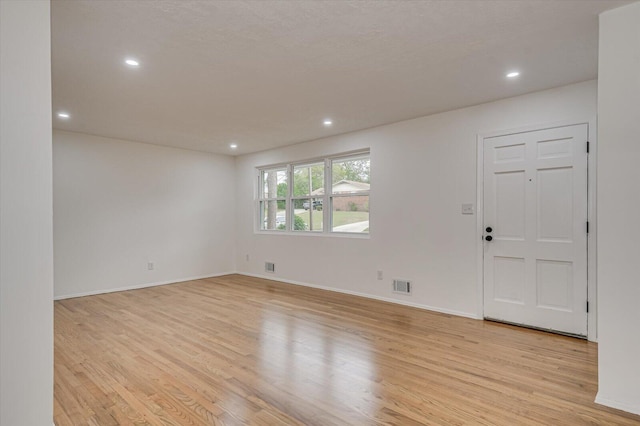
(132,63)
(233,145)
(327,123)
(513,74)
(64,115)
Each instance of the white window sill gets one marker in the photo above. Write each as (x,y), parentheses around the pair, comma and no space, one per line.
(359,236)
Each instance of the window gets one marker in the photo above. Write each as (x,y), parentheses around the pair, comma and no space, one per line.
(350,194)
(307,200)
(325,196)
(273,199)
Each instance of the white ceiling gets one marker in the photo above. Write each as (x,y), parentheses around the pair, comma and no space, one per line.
(266,73)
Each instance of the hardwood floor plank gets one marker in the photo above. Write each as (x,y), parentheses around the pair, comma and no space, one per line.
(240,350)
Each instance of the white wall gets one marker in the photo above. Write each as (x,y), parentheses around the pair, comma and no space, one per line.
(418,231)
(618,207)
(26,259)
(119,205)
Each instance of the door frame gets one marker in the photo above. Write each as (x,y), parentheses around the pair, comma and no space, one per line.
(592,315)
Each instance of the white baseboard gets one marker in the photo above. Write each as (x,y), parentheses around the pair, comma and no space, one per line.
(268,277)
(368,296)
(609,402)
(138,286)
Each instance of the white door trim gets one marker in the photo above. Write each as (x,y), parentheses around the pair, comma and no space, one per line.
(592,332)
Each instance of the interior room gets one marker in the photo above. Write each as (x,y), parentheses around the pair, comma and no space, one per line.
(319,212)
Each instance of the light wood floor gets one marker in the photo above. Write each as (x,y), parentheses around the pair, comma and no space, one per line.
(237,350)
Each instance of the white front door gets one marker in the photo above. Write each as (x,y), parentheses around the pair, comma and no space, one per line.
(535,219)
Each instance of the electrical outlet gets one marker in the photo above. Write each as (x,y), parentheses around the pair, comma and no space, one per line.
(150,266)
(380,275)
(269,267)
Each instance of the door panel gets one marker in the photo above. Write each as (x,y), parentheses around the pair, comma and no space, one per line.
(554,285)
(510,205)
(555,210)
(535,201)
(509,279)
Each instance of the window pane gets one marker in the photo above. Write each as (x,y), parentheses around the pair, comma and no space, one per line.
(309,217)
(298,204)
(350,176)
(308,180)
(273,215)
(275,183)
(350,213)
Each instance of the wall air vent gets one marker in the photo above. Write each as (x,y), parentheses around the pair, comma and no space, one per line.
(269,267)
(402,286)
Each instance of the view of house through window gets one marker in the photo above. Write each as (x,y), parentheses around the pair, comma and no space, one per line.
(350,194)
(330,195)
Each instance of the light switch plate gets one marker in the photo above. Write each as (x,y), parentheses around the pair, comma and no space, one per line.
(467,209)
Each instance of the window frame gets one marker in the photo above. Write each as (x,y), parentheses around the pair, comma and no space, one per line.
(327,197)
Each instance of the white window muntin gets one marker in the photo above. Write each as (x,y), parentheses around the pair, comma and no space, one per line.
(327,197)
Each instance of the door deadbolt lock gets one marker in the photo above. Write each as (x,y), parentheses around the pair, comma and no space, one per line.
(489,229)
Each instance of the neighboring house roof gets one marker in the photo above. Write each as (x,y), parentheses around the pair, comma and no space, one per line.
(345,186)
